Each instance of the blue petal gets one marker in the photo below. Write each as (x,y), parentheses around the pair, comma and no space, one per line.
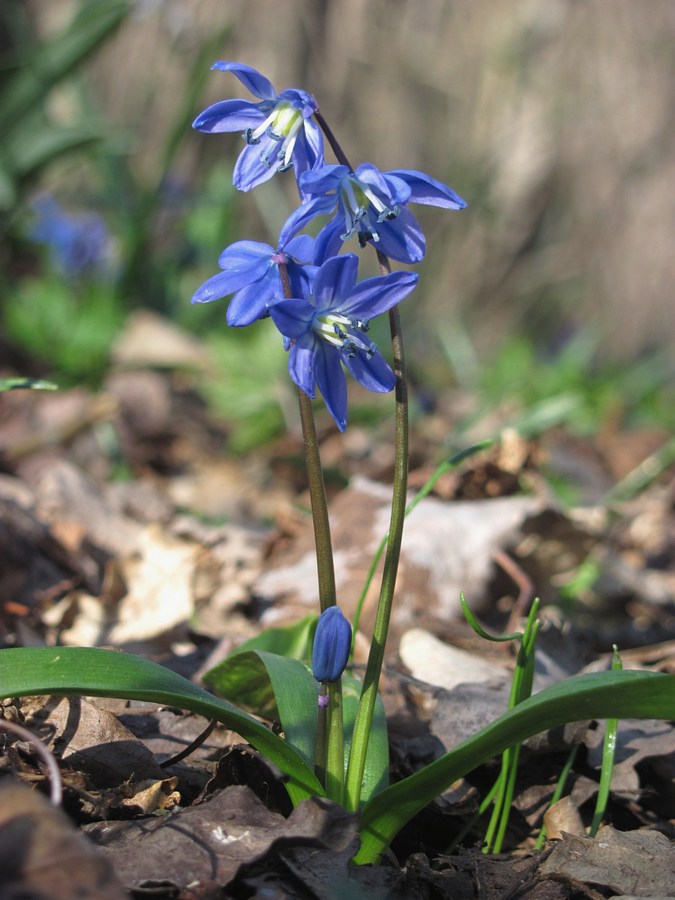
(425,189)
(329,241)
(372,371)
(402,238)
(300,278)
(300,247)
(250,170)
(252,301)
(250,78)
(332,382)
(306,154)
(314,137)
(293,317)
(335,280)
(303,215)
(375,296)
(245,253)
(301,363)
(332,644)
(393,192)
(301,100)
(326,178)
(229,115)
(219,286)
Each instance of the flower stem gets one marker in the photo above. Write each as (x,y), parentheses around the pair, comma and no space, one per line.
(340,155)
(329,764)
(364,716)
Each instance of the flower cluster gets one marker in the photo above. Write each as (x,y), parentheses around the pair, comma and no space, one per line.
(310,292)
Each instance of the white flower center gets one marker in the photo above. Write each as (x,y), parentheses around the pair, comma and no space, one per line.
(280,128)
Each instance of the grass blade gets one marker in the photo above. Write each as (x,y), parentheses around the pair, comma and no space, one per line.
(603,695)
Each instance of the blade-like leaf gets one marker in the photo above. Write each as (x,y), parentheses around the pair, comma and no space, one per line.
(276,687)
(290,640)
(603,695)
(31,148)
(67,671)
(48,64)
(376,771)
(34,384)
(279,687)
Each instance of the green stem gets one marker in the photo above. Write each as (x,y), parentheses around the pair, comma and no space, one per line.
(364,716)
(317,496)
(329,763)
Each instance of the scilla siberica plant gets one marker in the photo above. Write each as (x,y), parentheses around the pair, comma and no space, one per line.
(323,314)
(334,744)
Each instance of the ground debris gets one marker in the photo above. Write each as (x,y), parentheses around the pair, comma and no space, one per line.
(43,856)
(638,863)
(202,847)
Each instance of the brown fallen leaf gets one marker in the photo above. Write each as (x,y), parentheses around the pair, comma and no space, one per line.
(447,548)
(203,846)
(639,863)
(42,855)
(90,739)
(563,816)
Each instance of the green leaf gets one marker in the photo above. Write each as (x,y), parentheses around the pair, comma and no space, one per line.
(278,687)
(68,671)
(603,695)
(275,687)
(376,771)
(32,148)
(34,384)
(8,191)
(290,640)
(51,62)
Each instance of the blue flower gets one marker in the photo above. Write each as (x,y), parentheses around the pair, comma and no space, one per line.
(251,273)
(279,131)
(79,242)
(370,204)
(329,329)
(332,643)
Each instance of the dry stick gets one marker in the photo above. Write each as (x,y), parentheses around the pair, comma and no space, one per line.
(47,758)
(329,763)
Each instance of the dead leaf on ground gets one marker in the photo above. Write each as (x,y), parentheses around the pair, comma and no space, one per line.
(90,739)
(638,863)
(43,856)
(430,577)
(202,847)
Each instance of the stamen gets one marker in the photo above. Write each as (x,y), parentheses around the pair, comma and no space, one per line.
(389,214)
(348,347)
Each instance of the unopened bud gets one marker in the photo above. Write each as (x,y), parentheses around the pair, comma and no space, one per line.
(332,643)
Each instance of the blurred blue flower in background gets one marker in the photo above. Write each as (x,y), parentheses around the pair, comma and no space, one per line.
(329,329)
(79,243)
(279,131)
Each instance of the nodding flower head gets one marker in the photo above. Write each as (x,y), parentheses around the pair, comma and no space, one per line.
(327,330)
(279,130)
(370,205)
(332,643)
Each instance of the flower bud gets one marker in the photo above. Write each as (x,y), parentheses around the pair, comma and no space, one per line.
(332,643)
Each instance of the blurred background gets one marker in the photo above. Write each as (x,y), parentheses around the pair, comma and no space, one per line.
(552,118)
